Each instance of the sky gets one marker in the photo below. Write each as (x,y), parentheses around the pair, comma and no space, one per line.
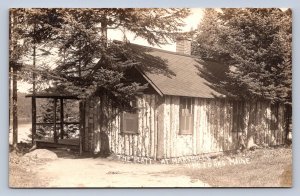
(192,21)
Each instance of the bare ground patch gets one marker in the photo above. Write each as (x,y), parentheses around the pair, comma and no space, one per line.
(267,168)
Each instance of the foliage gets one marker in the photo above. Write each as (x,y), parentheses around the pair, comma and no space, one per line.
(89,63)
(86,62)
(32,35)
(46,114)
(255,46)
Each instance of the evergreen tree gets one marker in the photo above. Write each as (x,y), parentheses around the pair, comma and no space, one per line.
(28,28)
(90,63)
(255,45)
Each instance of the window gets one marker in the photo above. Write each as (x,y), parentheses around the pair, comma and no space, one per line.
(129,121)
(186,116)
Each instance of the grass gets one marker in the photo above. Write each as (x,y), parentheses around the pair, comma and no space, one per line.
(267,168)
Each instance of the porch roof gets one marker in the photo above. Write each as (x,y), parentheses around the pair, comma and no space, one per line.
(52,95)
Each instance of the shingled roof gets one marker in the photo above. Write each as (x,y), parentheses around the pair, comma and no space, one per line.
(186,80)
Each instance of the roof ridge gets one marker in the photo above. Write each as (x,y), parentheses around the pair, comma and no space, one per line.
(167,51)
(162,50)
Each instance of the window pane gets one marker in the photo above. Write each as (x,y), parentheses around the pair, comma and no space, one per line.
(130,122)
(186,121)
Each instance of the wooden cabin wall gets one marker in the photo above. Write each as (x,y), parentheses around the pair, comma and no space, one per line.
(142,144)
(218,124)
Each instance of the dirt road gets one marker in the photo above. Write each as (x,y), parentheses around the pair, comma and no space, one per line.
(89,172)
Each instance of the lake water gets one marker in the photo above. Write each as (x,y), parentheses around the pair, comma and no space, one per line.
(24,129)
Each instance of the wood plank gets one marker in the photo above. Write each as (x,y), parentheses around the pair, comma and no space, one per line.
(212,123)
(176,115)
(206,139)
(268,118)
(174,118)
(62,118)
(119,136)
(54,120)
(42,144)
(282,120)
(219,132)
(130,144)
(143,143)
(147,131)
(139,141)
(265,122)
(160,129)
(152,117)
(231,135)
(156,106)
(81,126)
(167,126)
(210,127)
(195,126)
(171,131)
(33,118)
(202,127)
(225,126)
(127,144)
(222,125)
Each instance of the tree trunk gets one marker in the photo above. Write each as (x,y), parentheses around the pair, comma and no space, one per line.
(104,31)
(104,140)
(15,108)
(9,96)
(34,64)
(288,121)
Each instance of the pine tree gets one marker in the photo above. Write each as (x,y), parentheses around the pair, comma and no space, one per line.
(90,63)
(28,29)
(255,45)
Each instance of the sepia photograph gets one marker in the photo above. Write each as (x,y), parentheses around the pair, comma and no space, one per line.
(150,97)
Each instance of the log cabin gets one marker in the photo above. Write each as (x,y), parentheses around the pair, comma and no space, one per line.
(180,115)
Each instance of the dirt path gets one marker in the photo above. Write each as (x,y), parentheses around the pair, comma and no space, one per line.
(89,172)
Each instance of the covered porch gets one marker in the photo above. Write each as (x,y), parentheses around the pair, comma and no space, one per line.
(57,126)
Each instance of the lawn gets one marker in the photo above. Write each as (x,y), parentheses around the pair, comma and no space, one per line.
(260,168)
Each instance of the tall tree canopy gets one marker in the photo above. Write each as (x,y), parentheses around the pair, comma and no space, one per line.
(27,30)
(255,46)
(89,61)
(86,60)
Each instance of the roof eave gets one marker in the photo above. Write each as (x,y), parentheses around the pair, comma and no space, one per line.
(150,82)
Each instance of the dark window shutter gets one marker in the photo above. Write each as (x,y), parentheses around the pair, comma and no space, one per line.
(130,123)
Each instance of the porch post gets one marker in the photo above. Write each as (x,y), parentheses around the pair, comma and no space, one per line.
(81,127)
(33,118)
(61,118)
(54,120)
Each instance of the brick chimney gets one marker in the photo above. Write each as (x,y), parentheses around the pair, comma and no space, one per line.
(183,46)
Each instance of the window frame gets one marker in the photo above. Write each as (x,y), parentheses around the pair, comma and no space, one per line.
(123,130)
(187,104)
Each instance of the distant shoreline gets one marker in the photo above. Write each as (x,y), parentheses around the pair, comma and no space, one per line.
(22,121)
